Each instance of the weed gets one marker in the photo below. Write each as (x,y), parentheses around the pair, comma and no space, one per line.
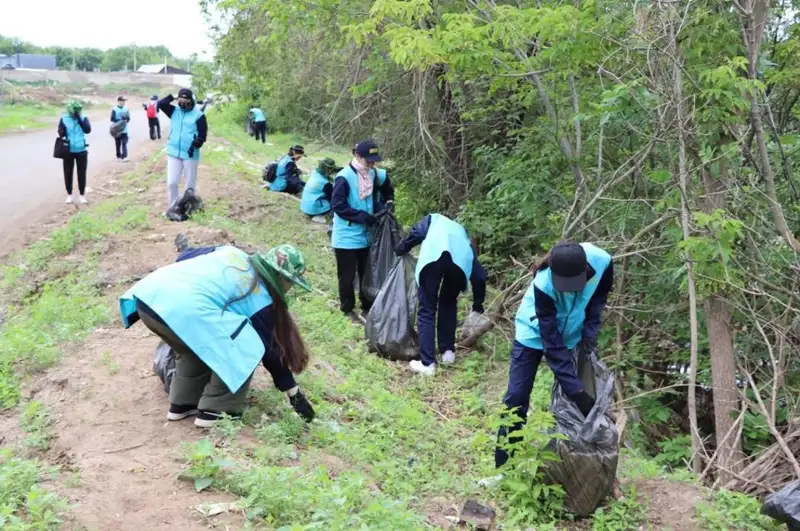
(204,464)
(732,511)
(110,363)
(625,514)
(36,423)
(23,504)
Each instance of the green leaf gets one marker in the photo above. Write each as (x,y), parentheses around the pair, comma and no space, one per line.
(660,176)
(201,484)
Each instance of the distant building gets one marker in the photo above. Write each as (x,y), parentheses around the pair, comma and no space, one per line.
(28,61)
(162,69)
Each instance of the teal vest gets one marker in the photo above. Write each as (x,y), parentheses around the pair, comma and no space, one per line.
(346,234)
(119,112)
(75,135)
(445,235)
(313,202)
(570,307)
(189,297)
(182,132)
(281,174)
(258,115)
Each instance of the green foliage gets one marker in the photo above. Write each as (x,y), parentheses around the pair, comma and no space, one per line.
(24,505)
(36,423)
(675,453)
(23,116)
(625,514)
(732,511)
(204,465)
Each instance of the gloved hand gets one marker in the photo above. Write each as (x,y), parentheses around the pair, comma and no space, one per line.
(390,207)
(190,151)
(399,250)
(477,308)
(371,220)
(588,344)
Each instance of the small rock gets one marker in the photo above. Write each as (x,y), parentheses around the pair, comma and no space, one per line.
(477,515)
(156,237)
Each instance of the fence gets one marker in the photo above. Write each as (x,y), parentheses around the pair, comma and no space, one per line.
(96,78)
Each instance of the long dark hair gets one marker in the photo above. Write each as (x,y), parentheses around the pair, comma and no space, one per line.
(285,335)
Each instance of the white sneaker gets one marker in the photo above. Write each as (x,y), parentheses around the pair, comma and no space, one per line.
(427,370)
(449,357)
(69,200)
(82,200)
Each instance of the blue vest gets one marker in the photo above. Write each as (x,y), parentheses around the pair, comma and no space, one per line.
(380,201)
(346,234)
(313,202)
(75,135)
(189,297)
(281,174)
(445,235)
(119,113)
(182,132)
(258,115)
(570,307)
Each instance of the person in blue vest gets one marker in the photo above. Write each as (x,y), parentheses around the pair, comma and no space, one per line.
(380,201)
(353,213)
(316,200)
(118,113)
(74,127)
(187,134)
(447,260)
(287,174)
(259,121)
(561,310)
(222,312)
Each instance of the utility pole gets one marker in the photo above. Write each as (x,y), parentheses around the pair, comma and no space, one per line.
(74,68)
(134,58)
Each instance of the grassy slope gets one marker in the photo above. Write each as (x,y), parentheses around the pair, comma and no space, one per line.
(389,450)
(26,116)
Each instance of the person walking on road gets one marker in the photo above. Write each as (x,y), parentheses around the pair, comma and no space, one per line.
(561,310)
(259,121)
(187,134)
(152,118)
(222,312)
(447,260)
(353,214)
(74,128)
(120,112)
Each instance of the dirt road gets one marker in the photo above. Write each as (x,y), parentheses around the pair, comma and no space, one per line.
(33,181)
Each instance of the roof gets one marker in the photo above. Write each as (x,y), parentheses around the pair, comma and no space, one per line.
(30,60)
(151,69)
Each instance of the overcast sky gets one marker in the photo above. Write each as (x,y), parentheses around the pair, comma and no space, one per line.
(107,24)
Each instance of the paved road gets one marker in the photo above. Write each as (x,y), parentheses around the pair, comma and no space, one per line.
(33,181)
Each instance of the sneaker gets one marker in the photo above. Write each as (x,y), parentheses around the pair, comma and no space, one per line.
(206,419)
(449,357)
(302,406)
(82,200)
(177,412)
(69,200)
(418,366)
(356,319)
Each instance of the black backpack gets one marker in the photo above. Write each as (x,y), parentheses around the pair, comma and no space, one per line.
(270,172)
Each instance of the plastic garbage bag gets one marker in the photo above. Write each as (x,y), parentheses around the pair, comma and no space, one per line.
(117,128)
(185,207)
(164,364)
(590,450)
(385,235)
(784,506)
(390,322)
(474,326)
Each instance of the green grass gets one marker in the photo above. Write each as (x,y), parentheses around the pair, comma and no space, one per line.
(24,504)
(18,117)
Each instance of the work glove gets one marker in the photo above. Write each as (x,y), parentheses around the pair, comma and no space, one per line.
(588,344)
(371,220)
(190,151)
(399,250)
(477,308)
(390,207)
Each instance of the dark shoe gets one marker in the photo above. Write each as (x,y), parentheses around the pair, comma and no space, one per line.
(356,319)
(302,406)
(206,419)
(585,402)
(181,242)
(177,412)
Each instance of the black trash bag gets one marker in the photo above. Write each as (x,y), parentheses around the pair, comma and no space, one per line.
(186,206)
(164,364)
(590,451)
(784,506)
(385,235)
(390,322)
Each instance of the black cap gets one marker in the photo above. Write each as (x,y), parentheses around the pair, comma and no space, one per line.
(186,93)
(369,150)
(122,98)
(154,98)
(568,267)
(298,149)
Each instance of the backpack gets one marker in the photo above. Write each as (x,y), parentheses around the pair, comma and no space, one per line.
(270,172)
(152,112)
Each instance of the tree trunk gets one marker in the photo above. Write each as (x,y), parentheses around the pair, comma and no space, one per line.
(453,140)
(723,380)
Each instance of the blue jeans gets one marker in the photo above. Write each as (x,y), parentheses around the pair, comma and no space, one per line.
(521,375)
(440,283)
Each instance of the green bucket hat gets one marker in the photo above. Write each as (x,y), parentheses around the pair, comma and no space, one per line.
(74,106)
(328,167)
(284,260)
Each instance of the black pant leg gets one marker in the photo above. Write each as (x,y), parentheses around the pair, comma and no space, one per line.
(82,161)
(118,143)
(69,164)
(346,273)
(362,262)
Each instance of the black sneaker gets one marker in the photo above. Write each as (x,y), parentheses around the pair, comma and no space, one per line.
(177,412)
(206,419)
(181,243)
(302,406)
(356,319)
